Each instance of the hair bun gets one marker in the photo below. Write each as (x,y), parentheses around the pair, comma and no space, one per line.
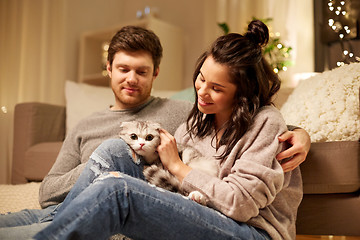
(258,32)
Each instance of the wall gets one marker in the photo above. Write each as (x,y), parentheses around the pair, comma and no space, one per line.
(188,15)
(198,20)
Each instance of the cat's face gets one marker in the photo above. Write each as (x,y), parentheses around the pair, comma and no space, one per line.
(142,137)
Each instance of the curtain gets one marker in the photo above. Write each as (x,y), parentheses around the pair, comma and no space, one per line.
(32,52)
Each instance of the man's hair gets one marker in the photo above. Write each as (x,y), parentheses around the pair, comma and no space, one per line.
(132,39)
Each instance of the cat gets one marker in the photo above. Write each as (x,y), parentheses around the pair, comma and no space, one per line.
(143,137)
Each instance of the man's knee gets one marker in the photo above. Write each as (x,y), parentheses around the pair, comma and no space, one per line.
(117,142)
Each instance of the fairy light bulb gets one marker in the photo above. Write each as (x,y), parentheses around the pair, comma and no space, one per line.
(339,64)
(4,109)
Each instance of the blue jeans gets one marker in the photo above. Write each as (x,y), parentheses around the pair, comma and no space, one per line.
(26,223)
(101,205)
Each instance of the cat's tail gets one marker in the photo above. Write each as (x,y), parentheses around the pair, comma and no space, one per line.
(160,177)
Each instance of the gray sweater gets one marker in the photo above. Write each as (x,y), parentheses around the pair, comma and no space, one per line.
(251,186)
(91,131)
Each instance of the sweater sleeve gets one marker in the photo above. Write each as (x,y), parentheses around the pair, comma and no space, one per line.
(63,174)
(250,177)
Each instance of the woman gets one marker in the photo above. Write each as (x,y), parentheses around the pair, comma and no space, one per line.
(233,123)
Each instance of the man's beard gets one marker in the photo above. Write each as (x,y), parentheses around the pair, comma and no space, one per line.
(132,101)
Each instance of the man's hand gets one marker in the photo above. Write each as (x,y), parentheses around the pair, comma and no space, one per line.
(300,143)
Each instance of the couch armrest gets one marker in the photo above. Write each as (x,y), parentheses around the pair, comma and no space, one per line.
(34,123)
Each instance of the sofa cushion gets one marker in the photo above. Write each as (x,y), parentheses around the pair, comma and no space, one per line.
(39,159)
(83,99)
(332,167)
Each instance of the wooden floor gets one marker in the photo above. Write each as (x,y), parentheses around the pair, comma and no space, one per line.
(315,237)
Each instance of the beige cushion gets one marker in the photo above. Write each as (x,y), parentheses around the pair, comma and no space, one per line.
(83,99)
(332,167)
(39,159)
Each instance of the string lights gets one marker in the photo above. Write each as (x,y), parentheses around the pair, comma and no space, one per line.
(336,22)
(277,53)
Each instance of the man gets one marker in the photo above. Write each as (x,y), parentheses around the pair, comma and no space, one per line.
(133,64)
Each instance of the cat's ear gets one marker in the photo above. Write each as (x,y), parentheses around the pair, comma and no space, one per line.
(123,126)
(157,126)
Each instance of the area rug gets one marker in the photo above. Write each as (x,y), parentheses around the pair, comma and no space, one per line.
(14,198)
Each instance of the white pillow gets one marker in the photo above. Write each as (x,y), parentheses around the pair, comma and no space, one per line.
(83,99)
(327,105)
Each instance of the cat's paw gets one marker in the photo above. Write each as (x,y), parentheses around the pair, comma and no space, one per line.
(197,197)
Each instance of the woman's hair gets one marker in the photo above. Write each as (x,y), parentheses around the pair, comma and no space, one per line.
(255,82)
(132,39)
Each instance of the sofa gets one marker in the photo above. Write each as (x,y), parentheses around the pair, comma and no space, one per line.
(331,172)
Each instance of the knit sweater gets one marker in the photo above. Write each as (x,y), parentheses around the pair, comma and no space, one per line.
(251,186)
(92,131)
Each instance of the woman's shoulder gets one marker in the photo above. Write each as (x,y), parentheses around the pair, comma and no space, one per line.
(270,116)
(269,112)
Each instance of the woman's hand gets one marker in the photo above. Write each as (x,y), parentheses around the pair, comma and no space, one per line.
(300,141)
(169,155)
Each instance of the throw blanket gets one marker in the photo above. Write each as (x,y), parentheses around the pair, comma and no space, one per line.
(327,105)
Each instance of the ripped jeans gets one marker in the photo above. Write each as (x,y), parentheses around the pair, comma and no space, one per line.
(101,205)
